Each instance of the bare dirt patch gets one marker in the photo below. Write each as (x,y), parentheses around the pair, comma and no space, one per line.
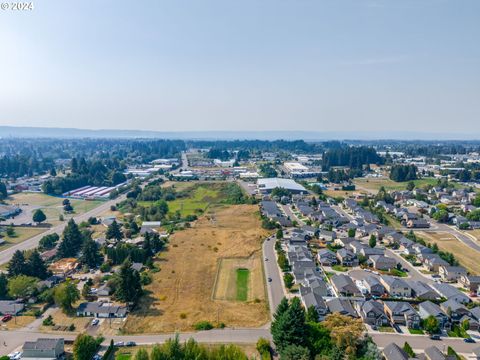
(181,293)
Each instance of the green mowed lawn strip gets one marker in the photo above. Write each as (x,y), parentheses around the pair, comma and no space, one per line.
(415,331)
(243,276)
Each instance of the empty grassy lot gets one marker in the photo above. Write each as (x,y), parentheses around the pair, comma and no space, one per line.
(467,256)
(50,205)
(228,280)
(475,233)
(181,293)
(373,184)
(21,234)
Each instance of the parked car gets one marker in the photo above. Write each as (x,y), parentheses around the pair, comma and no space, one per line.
(119,344)
(17,355)
(6,318)
(269,279)
(95,322)
(469,340)
(434,337)
(130,343)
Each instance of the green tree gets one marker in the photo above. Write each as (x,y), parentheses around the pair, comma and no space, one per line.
(318,338)
(312,314)
(22,286)
(289,328)
(86,290)
(295,352)
(279,234)
(410,186)
(408,349)
(71,240)
(17,265)
(39,216)
(288,280)
(49,241)
(84,347)
(431,325)
(90,253)
(352,232)
(114,231)
(372,242)
(264,349)
(10,231)
(36,266)
(441,215)
(3,191)
(65,295)
(141,354)
(128,283)
(3,286)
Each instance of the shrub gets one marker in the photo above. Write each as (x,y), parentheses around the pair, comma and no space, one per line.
(48,321)
(203,325)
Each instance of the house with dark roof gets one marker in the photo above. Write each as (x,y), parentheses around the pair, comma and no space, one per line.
(101,310)
(372,312)
(373,285)
(381,262)
(347,258)
(402,313)
(43,348)
(421,290)
(344,285)
(396,287)
(327,235)
(427,308)
(471,282)
(310,298)
(455,310)
(341,306)
(433,262)
(10,307)
(452,293)
(326,257)
(394,352)
(451,273)
(433,353)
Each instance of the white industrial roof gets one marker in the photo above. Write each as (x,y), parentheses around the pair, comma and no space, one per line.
(272,183)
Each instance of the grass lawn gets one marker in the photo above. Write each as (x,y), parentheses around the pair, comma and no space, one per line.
(243,276)
(340,268)
(386,329)
(399,273)
(199,199)
(21,234)
(123,356)
(467,256)
(416,331)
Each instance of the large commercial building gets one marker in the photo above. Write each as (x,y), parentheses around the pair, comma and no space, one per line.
(266,185)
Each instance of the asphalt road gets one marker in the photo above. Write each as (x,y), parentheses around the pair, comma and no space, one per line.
(6,255)
(274,288)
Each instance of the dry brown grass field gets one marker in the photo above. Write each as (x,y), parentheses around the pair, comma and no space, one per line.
(181,293)
(447,242)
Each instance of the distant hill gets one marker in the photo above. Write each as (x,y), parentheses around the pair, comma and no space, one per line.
(35,132)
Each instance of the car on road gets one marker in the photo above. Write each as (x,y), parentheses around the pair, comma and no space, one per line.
(434,337)
(269,279)
(119,344)
(469,340)
(130,343)
(15,355)
(95,322)
(7,318)
(266,259)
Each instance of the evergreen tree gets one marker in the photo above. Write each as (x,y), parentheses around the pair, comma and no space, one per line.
(295,352)
(36,266)
(372,242)
(84,347)
(281,308)
(39,216)
(90,253)
(71,240)
(17,265)
(289,327)
(114,231)
(312,314)
(408,349)
(3,191)
(129,287)
(3,286)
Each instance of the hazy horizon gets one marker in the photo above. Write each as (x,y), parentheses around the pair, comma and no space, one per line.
(355,66)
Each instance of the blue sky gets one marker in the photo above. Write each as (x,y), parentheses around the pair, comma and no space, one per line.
(359,65)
